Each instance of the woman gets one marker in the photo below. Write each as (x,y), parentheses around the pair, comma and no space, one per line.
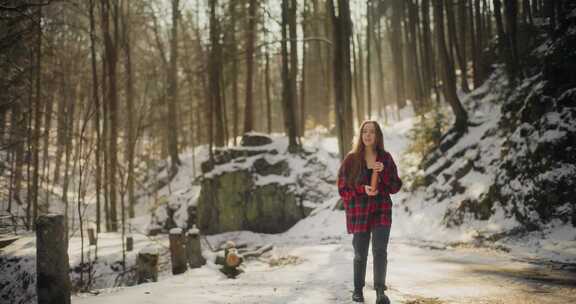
(368,210)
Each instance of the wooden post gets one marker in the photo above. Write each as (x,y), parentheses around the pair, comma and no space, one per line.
(52,280)
(129,243)
(177,251)
(91,236)
(147,265)
(194,249)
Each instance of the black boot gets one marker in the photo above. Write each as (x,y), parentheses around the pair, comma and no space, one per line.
(359,277)
(381,297)
(358,296)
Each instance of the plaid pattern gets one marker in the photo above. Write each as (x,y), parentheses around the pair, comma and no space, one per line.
(364,212)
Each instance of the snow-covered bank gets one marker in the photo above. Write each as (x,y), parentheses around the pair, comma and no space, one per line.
(456,205)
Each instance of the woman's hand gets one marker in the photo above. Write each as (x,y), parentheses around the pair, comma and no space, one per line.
(378,166)
(369,191)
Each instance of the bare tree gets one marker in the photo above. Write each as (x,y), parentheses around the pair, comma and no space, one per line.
(287,86)
(96,102)
(111,49)
(172,123)
(448,79)
(250,41)
(37,118)
(342,74)
(214,72)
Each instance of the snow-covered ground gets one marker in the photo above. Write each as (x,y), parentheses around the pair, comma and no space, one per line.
(312,262)
(423,270)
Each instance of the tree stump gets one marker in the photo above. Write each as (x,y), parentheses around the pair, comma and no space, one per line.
(147,265)
(52,280)
(194,249)
(177,251)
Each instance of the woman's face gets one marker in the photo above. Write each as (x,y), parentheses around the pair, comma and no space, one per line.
(369,135)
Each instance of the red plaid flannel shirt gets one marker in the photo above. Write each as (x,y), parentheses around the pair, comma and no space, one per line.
(364,212)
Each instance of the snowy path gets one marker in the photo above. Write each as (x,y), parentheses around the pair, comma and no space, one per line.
(324,275)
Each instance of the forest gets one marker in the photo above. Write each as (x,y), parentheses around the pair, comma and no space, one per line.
(111,110)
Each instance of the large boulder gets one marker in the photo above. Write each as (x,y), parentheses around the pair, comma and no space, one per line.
(253,188)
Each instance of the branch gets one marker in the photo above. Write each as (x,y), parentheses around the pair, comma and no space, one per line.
(22,7)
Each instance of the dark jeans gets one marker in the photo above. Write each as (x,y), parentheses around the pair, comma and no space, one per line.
(361,242)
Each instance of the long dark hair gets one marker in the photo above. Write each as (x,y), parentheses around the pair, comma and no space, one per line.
(356,156)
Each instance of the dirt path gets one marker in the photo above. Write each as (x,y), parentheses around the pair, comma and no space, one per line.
(426,276)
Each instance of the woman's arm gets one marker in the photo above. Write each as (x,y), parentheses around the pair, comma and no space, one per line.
(390,182)
(347,192)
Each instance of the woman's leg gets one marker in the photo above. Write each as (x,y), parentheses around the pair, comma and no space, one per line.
(361,242)
(380,237)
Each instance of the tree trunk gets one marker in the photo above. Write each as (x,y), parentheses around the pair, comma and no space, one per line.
(214,71)
(511,37)
(360,81)
(527,12)
(69,99)
(428,51)
(415,67)
(487,31)
(456,45)
(342,75)
(268,97)
(131,142)
(172,123)
(18,129)
(287,87)
(37,119)
(462,26)
(357,84)
(234,48)
(60,128)
(503,46)
(104,142)
(111,59)
(96,102)
(302,103)
(292,29)
(45,161)
(479,26)
(378,48)
(449,78)
(250,41)
(368,58)
(397,52)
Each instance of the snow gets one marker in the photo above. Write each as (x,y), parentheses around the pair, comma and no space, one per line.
(193,231)
(176,231)
(422,264)
(150,249)
(427,259)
